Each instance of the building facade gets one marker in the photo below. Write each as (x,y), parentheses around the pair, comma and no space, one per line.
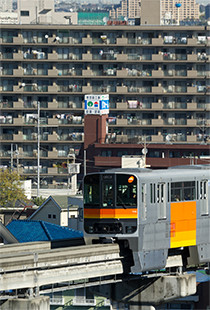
(157,81)
(127,8)
(188,9)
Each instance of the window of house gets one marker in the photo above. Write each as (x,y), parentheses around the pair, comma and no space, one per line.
(54,216)
(49,216)
(24,13)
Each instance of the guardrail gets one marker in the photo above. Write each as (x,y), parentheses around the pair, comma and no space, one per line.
(43,267)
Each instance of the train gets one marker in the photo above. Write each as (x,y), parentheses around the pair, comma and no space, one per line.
(160,218)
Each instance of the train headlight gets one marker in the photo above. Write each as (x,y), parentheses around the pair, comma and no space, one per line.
(131,179)
(90,229)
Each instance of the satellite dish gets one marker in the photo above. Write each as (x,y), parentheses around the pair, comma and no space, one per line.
(125,19)
(144,151)
(105,19)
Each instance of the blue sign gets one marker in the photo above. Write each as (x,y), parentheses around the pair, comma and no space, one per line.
(97,104)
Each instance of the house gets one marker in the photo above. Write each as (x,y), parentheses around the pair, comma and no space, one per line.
(58,210)
(31,231)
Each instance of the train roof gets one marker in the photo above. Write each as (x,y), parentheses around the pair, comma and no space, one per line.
(179,171)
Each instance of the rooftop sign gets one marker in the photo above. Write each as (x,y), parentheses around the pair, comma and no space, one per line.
(96,104)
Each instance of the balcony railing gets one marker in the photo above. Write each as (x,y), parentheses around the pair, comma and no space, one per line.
(7,55)
(6,137)
(174,105)
(6,104)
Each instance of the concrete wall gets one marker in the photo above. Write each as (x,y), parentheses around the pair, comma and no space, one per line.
(150,12)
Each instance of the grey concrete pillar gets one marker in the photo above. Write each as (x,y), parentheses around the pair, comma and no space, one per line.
(37,303)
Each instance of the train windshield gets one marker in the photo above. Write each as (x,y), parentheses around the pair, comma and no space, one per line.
(92,190)
(110,190)
(126,190)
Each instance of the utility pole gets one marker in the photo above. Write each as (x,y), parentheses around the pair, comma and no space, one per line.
(85,163)
(11,156)
(38,148)
(17,154)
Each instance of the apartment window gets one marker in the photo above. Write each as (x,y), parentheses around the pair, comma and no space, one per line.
(24,13)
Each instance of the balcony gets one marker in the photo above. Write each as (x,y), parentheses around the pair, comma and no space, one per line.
(157,138)
(157,105)
(157,73)
(133,57)
(191,122)
(122,121)
(87,41)
(53,56)
(174,105)
(6,137)
(169,56)
(88,72)
(192,73)
(157,89)
(87,57)
(181,72)
(122,41)
(6,104)
(122,89)
(157,41)
(18,56)
(157,57)
(122,57)
(181,56)
(180,89)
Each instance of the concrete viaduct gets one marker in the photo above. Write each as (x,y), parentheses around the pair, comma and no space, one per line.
(33,267)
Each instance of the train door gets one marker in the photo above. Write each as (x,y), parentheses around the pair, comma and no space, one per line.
(204,197)
(161,200)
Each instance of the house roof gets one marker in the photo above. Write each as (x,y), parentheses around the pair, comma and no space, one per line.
(28,231)
(62,202)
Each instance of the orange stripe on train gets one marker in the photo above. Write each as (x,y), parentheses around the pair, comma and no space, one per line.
(110,213)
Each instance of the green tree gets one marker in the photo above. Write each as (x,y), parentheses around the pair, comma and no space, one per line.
(10,188)
(39,200)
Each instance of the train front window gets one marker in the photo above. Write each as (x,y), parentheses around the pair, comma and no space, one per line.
(92,190)
(126,190)
(107,194)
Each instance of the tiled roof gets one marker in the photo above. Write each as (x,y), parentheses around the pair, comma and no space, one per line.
(28,231)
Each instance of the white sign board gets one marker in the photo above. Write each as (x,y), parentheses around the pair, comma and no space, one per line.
(96,104)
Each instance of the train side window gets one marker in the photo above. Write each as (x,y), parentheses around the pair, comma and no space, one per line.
(143,200)
(204,197)
(176,191)
(197,190)
(189,190)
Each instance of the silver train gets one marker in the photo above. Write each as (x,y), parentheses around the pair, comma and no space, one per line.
(160,218)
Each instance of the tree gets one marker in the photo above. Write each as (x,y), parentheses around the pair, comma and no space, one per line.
(39,200)
(10,188)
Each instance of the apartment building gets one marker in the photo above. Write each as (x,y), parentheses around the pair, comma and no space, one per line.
(156,78)
(188,9)
(127,8)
